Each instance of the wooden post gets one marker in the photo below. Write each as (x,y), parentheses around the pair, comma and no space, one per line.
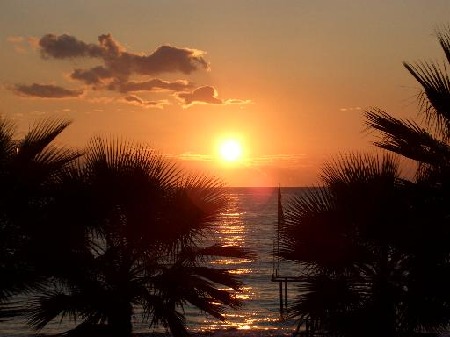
(285,292)
(280,287)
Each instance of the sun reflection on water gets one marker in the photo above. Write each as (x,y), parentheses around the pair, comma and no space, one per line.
(232,232)
(240,271)
(240,322)
(248,222)
(231,261)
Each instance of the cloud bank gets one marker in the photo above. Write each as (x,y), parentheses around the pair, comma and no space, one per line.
(132,99)
(45,91)
(163,59)
(154,85)
(206,95)
(123,71)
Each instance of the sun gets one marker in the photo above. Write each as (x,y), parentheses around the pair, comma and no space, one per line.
(230,150)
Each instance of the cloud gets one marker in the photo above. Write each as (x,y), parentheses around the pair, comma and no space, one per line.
(101,77)
(45,91)
(154,85)
(21,44)
(352,108)
(237,101)
(18,43)
(93,76)
(15,39)
(123,71)
(189,156)
(165,59)
(170,59)
(282,160)
(134,99)
(66,46)
(206,94)
(141,102)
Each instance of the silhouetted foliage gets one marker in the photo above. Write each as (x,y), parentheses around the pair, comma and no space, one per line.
(373,246)
(143,222)
(373,249)
(29,172)
(426,144)
(347,236)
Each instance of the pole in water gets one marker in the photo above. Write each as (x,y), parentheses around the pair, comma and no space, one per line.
(285,292)
(280,287)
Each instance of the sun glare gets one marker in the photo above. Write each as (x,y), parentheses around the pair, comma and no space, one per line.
(230,150)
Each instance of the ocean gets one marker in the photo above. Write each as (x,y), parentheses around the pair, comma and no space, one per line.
(250,221)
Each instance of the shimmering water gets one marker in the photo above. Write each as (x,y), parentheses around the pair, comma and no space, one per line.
(250,222)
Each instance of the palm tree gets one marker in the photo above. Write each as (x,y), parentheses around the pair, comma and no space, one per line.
(374,246)
(144,222)
(29,169)
(425,143)
(349,237)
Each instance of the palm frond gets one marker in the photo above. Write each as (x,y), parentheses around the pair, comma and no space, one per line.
(407,138)
(39,137)
(195,205)
(54,157)
(443,35)
(356,169)
(435,82)
(126,157)
(146,221)
(7,144)
(47,307)
(164,313)
(10,309)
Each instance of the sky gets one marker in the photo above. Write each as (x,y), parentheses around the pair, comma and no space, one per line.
(288,79)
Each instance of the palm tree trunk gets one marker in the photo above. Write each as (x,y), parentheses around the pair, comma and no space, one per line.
(119,321)
(384,297)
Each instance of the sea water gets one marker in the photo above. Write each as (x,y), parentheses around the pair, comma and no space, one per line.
(250,221)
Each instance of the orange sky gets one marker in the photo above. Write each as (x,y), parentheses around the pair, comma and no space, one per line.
(289,79)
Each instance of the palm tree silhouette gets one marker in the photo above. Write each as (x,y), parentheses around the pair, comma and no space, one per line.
(29,171)
(425,143)
(348,236)
(374,245)
(144,221)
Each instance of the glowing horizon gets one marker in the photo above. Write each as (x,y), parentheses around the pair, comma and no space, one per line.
(294,78)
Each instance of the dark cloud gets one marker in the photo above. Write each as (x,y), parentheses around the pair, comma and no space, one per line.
(92,76)
(155,84)
(45,91)
(134,99)
(111,48)
(204,94)
(120,63)
(139,101)
(123,71)
(66,46)
(170,59)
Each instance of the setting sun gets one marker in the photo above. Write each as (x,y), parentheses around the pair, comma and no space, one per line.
(230,150)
